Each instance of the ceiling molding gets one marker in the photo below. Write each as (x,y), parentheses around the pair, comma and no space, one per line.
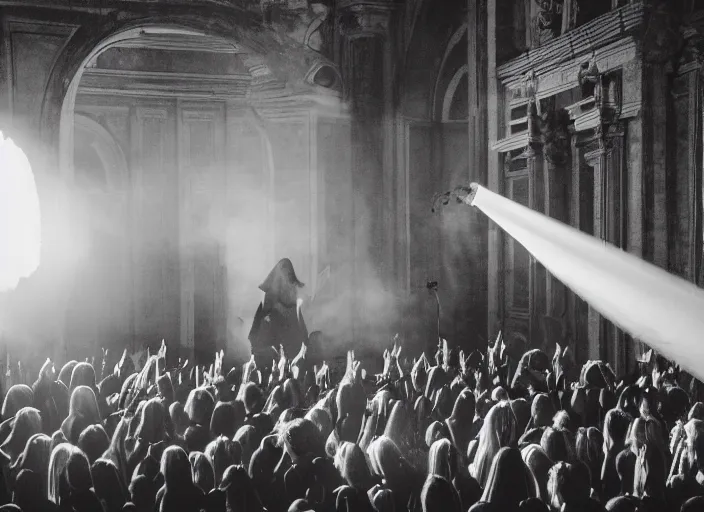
(161,84)
(181,44)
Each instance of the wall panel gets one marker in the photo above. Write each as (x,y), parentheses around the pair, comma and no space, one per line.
(31,49)
(201,130)
(423,241)
(155,225)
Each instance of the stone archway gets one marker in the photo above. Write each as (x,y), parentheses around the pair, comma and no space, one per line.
(300,78)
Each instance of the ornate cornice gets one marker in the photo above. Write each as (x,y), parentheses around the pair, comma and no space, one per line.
(583,40)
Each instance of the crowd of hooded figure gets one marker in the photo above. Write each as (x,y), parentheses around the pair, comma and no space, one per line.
(449,433)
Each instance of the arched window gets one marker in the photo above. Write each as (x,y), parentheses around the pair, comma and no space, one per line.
(452,84)
(99,163)
(455,106)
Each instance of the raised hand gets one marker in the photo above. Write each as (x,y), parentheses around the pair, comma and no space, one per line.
(249,368)
(301,356)
(322,377)
(47,370)
(387,363)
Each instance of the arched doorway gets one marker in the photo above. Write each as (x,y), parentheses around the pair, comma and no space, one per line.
(180,168)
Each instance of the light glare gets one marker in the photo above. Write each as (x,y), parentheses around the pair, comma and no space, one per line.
(652,305)
(20,228)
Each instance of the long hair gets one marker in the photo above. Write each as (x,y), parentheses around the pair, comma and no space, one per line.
(443,459)
(35,458)
(108,485)
(352,465)
(78,474)
(176,468)
(154,423)
(202,471)
(199,407)
(650,475)
(27,422)
(84,402)
(539,463)
(498,431)
(224,421)
(223,453)
(57,484)
(17,397)
(248,439)
(239,491)
(94,441)
(388,463)
(589,446)
(460,422)
(116,450)
(302,439)
(83,374)
(439,494)
(509,481)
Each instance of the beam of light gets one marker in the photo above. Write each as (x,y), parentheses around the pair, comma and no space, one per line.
(656,307)
(20,228)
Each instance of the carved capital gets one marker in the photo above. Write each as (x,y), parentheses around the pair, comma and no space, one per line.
(603,143)
(691,56)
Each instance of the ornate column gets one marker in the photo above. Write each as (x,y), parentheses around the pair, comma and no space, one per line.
(478,135)
(598,125)
(535,162)
(368,50)
(597,158)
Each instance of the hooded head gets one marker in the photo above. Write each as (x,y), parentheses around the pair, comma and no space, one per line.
(352,465)
(202,470)
(223,453)
(439,494)
(94,441)
(282,284)
(18,396)
(27,422)
(508,471)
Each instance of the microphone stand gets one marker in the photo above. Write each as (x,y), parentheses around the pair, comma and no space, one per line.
(433,287)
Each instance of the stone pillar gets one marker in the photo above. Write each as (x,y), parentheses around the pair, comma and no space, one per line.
(557,156)
(605,157)
(368,52)
(597,159)
(535,161)
(478,128)
(495,105)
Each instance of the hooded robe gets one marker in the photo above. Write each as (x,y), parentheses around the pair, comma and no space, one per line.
(278,321)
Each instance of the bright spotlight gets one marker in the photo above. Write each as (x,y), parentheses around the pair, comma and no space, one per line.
(20,228)
(647,302)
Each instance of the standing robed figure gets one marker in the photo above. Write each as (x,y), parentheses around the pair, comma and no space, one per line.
(278,321)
